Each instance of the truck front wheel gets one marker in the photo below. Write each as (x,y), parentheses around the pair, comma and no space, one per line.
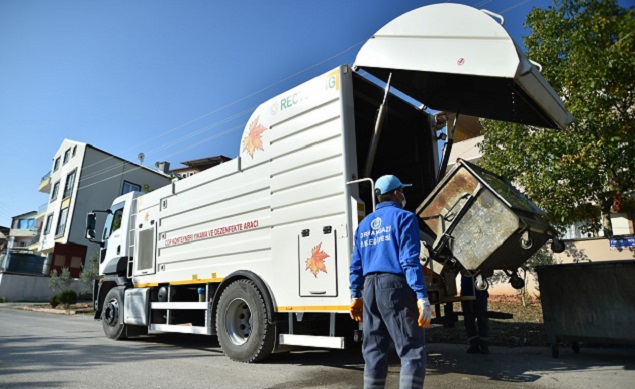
(243,331)
(112,315)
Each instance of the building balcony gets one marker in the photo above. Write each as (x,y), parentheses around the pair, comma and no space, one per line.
(45,184)
(41,211)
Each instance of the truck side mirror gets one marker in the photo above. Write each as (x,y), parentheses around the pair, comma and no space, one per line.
(90,226)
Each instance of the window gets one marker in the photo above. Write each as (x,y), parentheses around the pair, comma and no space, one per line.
(113,220)
(47,226)
(68,185)
(67,156)
(74,150)
(56,189)
(61,223)
(56,165)
(25,224)
(130,187)
(60,261)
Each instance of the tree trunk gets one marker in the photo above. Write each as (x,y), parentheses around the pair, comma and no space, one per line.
(605,216)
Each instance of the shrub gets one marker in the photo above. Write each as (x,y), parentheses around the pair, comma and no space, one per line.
(67,297)
(3,300)
(54,301)
(62,280)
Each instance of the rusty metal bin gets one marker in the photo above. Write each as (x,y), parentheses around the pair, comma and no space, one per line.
(484,221)
(588,302)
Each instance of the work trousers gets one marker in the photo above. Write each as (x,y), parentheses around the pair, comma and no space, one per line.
(391,313)
(476,320)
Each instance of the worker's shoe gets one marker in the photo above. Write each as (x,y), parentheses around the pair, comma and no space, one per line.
(473,349)
(474,346)
(484,347)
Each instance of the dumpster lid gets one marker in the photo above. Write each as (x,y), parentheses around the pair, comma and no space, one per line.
(453,57)
(502,189)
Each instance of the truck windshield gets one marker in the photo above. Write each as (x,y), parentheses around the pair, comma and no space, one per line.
(113,221)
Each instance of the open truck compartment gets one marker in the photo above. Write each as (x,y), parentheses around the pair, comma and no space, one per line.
(484,221)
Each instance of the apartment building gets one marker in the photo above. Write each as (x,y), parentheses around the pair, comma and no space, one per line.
(84,178)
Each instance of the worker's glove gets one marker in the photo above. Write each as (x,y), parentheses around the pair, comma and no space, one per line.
(425,312)
(357,309)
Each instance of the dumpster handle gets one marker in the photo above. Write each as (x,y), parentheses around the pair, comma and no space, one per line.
(445,238)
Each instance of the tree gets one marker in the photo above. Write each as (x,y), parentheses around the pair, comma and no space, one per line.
(90,272)
(61,281)
(587,50)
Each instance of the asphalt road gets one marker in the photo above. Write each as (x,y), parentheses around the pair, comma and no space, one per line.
(40,350)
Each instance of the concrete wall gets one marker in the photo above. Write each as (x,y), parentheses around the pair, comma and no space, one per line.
(22,288)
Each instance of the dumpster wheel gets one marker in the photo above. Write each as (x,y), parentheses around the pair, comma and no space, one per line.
(517,282)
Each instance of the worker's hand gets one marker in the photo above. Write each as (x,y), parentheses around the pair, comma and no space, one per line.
(425,312)
(357,310)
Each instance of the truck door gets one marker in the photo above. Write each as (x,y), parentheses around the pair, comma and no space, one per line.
(114,238)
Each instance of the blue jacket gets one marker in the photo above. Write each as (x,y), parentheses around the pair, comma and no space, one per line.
(387,241)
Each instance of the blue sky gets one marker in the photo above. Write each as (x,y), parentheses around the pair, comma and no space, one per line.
(175,80)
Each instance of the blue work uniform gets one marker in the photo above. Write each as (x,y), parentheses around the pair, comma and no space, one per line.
(385,271)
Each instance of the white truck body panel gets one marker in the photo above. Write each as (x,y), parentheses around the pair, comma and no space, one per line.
(249,213)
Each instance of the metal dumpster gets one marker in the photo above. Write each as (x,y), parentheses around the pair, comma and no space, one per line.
(484,221)
(588,302)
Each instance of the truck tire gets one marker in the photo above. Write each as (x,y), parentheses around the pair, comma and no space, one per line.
(111,315)
(244,333)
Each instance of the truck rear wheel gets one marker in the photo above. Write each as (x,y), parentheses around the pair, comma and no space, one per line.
(243,331)
(111,315)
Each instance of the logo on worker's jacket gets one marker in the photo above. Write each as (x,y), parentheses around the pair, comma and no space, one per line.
(253,140)
(376,223)
(315,263)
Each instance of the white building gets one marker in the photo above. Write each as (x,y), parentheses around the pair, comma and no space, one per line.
(82,179)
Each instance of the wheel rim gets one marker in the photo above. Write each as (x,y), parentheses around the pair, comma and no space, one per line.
(238,321)
(111,312)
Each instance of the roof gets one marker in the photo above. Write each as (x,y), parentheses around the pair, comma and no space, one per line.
(205,163)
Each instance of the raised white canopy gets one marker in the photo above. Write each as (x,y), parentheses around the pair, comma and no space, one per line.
(456,58)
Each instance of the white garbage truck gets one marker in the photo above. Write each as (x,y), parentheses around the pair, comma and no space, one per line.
(256,250)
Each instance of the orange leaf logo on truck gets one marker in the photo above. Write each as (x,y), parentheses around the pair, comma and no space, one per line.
(253,141)
(316,264)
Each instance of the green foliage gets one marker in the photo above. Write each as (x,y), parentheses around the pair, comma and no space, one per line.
(90,272)
(3,300)
(67,298)
(60,281)
(54,301)
(587,50)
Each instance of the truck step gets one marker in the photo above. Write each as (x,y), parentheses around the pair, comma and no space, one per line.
(183,329)
(312,341)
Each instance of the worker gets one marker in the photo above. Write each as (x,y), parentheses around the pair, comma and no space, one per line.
(475,315)
(388,289)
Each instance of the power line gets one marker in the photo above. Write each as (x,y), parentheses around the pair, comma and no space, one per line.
(227,106)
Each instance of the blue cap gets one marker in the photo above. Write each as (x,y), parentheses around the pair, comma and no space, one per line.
(389,183)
